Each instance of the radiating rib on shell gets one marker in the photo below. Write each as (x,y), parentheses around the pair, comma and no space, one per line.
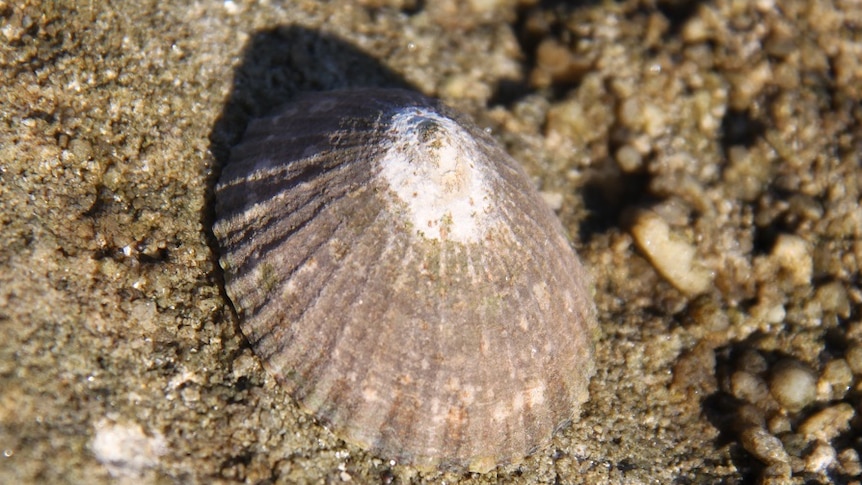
(396,271)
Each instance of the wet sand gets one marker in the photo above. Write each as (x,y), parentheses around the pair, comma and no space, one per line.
(704,158)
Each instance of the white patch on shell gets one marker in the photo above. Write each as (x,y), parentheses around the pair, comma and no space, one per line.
(435,168)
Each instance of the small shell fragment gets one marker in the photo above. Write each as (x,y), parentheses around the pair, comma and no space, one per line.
(400,276)
(672,257)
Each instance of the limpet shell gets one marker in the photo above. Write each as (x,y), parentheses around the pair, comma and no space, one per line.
(396,271)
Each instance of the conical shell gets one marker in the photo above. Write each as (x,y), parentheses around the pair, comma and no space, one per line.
(400,276)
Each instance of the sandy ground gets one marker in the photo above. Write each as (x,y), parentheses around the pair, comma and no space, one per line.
(704,156)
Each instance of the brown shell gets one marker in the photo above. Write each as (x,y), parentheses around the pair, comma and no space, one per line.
(400,276)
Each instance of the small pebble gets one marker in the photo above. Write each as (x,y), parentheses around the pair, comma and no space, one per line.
(748,387)
(708,317)
(828,423)
(769,312)
(795,445)
(793,385)
(190,394)
(776,474)
(752,361)
(655,119)
(838,376)
(631,113)
(779,424)
(833,299)
(243,365)
(849,459)
(556,64)
(792,254)
(696,30)
(821,458)
(670,255)
(629,159)
(764,446)
(854,358)
(749,415)
(553,199)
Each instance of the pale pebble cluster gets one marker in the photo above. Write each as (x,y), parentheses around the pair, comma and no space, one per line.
(792,415)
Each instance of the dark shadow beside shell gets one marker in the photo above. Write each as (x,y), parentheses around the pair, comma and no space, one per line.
(399,275)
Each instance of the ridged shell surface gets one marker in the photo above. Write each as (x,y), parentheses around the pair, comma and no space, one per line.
(400,276)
